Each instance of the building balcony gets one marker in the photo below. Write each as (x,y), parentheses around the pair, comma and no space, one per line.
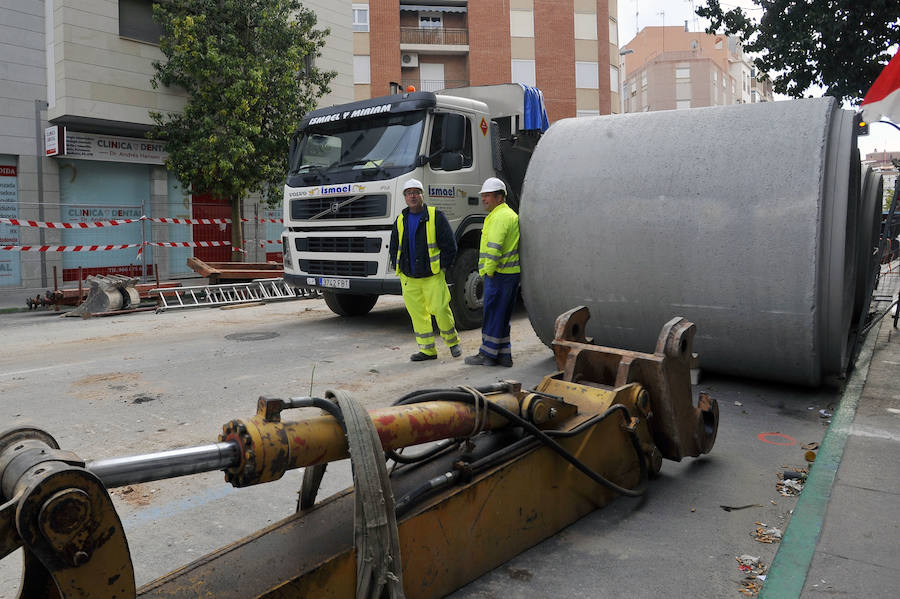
(434,40)
(431,85)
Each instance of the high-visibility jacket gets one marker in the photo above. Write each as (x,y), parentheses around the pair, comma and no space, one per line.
(499,242)
(434,252)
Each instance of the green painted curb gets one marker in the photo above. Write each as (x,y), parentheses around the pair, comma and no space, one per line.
(789,568)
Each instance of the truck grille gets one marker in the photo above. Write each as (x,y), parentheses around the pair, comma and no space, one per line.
(345,245)
(367,206)
(350,268)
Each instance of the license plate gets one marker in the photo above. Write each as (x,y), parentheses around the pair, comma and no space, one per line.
(336,283)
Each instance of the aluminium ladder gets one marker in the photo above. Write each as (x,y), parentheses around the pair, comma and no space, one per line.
(259,290)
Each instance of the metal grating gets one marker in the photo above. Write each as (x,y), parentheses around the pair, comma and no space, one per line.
(345,245)
(349,268)
(333,207)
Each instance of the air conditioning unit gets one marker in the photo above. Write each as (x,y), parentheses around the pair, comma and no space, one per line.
(409,59)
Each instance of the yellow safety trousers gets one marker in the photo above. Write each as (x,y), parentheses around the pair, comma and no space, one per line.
(424,298)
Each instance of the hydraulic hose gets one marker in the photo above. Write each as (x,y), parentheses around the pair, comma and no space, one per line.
(463,397)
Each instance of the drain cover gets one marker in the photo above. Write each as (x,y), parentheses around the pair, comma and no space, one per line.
(252,336)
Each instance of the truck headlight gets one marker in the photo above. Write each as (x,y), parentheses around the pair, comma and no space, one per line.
(286,251)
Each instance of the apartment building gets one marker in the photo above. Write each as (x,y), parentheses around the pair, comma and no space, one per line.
(75,97)
(567,48)
(672,67)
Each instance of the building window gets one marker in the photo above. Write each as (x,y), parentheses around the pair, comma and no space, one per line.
(613,33)
(683,71)
(613,78)
(586,76)
(523,72)
(633,87)
(521,23)
(680,104)
(644,81)
(361,72)
(136,21)
(361,17)
(715,77)
(586,26)
(430,20)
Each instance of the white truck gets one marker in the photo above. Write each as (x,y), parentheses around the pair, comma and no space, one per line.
(348,164)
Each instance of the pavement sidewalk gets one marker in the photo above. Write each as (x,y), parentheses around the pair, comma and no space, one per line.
(843,538)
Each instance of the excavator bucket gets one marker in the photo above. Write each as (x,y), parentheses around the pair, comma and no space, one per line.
(108,294)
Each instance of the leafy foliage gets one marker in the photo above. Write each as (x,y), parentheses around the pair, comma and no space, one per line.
(247,67)
(840,45)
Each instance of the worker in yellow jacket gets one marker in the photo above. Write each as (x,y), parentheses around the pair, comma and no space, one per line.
(498,263)
(422,247)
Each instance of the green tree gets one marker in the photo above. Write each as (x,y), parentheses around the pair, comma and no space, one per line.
(840,45)
(248,67)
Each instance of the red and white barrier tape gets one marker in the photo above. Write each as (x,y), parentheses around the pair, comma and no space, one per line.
(190,221)
(102,248)
(16,222)
(67,248)
(188,244)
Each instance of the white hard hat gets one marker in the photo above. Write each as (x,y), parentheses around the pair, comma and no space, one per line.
(493,184)
(413,184)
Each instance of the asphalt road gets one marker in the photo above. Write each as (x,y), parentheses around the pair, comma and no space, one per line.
(131,384)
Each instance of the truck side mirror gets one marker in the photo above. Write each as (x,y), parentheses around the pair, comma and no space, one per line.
(292,149)
(453,132)
(451,161)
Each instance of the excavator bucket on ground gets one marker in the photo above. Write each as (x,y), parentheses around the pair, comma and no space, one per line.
(108,294)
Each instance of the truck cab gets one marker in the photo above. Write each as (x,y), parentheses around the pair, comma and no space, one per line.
(348,165)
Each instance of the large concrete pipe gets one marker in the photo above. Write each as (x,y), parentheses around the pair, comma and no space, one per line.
(869,234)
(743,219)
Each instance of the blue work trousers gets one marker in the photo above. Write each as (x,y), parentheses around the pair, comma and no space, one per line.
(499,301)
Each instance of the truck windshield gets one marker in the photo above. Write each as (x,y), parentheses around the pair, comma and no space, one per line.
(358,149)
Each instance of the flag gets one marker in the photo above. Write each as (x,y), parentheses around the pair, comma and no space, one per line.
(883,98)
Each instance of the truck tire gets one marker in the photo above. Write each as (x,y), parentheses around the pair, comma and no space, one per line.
(348,304)
(466,290)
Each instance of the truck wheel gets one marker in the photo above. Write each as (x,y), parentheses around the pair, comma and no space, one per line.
(467,290)
(348,304)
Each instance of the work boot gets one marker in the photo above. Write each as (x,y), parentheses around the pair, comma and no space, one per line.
(455,351)
(480,360)
(420,357)
(504,360)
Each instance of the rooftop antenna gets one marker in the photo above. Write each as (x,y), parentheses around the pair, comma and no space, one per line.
(636,26)
(662,15)
(694,15)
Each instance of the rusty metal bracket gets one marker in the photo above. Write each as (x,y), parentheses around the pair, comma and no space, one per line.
(679,428)
(63,518)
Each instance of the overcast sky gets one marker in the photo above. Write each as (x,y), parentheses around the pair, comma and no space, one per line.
(634,15)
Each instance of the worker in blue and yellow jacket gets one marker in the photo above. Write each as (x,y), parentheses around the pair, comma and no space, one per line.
(423,247)
(498,263)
